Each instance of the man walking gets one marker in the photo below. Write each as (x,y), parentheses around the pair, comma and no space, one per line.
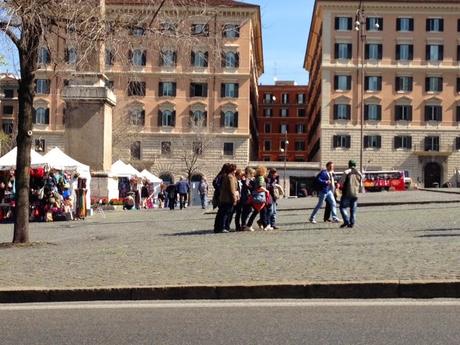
(351,182)
(325,180)
(203,189)
(183,187)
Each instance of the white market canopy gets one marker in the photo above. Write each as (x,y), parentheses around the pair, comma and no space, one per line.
(8,161)
(59,160)
(149,176)
(120,169)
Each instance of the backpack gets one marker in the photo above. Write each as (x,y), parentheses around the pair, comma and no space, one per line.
(258,197)
(352,185)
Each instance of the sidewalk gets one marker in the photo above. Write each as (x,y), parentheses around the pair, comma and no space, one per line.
(159,253)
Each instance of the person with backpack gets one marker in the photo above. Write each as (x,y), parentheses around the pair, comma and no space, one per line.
(325,184)
(351,184)
(259,200)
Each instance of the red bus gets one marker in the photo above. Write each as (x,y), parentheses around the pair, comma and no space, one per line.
(384,180)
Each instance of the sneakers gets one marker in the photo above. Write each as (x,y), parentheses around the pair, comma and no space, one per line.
(259,223)
(268,228)
(336,220)
(313,221)
(225,231)
(275,227)
(344,225)
(247,228)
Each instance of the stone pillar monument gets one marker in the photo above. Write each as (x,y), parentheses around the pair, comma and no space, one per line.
(88,120)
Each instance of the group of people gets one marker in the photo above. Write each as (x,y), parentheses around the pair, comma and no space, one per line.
(137,193)
(171,193)
(350,184)
(243,195)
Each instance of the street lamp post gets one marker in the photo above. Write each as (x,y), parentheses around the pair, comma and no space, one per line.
(360,25)
(285,150)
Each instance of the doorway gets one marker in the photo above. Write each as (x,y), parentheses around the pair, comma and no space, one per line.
(432,175)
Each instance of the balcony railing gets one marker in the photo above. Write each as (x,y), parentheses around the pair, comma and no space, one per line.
(433,150)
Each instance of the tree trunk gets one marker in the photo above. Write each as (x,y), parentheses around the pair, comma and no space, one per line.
(28,52)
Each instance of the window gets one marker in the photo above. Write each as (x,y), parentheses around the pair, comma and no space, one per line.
(109,57)
(136,150)
(268,98)
(8,93)
(229,119)
(284,128)
(8,110)
(458,25)
(229,90)
(200,29)
(372,112)
(285,98)
(137,31)
(267,145)
(374,24)
(166,118)
(434,52)
(403,142)
(284,112)
(7,126)
(404,24)
(301,112)
(231,31)
(343,23)
(458,113)
(109,84)
(138,57)
(341,141)
(228,149)
(343,51)
(458,52)
(230,59)
(197,147)
(403,84)
(41,116)
(372,141)
(165,147)
(404,52)
(403,112)
(42,86)
(136,88)
(168,27)
(199,59)
(268,128)
(300,128)
(433,84)
(373,51)
(199,118)
(267,159)
(457,143)
(342,82)
(44,56)
(300,145)
(137,117)
(283,145)
(71,56)
(373,83)
(198,90)
(168,58)
(342,111)
(458,85)
(40,145)
(300,98)
(167,89)
(435,25)
(268,112)
(433,113)
(432,143)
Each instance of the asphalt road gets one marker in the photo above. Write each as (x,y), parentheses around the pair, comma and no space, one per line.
(233,322)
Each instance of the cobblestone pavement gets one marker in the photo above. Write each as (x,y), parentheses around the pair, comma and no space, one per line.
(162,247)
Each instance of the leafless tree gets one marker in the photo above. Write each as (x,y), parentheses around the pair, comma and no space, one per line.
(90,28)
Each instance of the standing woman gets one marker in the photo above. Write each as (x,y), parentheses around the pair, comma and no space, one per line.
(247,186)
(259,206)
(228,197)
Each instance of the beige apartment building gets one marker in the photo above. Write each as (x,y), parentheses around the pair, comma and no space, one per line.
(385,85)
(198,94)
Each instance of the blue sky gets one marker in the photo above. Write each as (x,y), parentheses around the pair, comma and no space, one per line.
(285,26)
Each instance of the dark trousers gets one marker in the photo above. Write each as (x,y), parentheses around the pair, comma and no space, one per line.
(223,217)
(237,212)
(182,200)
(172,203)
(263,217)
(327,212)
(246,211)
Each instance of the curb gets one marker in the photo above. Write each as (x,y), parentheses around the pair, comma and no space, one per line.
(333,290)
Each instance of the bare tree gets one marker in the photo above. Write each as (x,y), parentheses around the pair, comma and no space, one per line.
(6,142)
(91,29)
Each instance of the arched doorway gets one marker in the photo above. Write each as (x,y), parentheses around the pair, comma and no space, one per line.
(167,178)
(195,195)
(196,177)
(432,175)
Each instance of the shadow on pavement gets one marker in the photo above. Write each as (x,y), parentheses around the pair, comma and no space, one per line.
(440,235)
(434,230)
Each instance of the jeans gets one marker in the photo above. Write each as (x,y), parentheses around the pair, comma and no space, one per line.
(329,197)
(182,200)
(352,203)
(222,218)
(203,200)
(238,209)
(272,214)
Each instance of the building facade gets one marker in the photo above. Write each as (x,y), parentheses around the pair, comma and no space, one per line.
(384,86)
(171,96)
(282,118)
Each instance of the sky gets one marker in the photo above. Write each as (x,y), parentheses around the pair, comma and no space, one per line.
(285,27)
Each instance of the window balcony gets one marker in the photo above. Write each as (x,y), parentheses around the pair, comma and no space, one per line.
(433,150)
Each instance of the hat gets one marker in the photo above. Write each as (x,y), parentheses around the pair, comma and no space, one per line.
(351,163)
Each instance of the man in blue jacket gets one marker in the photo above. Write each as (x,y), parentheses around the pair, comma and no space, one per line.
(183,187)
(326,180)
